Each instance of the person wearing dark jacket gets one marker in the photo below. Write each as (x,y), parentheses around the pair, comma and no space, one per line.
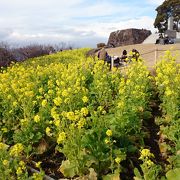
(124,56)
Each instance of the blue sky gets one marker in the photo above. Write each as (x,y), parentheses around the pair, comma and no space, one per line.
(81,23)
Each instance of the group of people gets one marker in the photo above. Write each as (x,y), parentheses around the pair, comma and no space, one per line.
(118,61)
(164,39)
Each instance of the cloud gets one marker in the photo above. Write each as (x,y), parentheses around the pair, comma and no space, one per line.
(87,34)
(4,34)
(155,2)
(79,21)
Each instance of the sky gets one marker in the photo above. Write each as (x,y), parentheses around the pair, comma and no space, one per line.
(79,23)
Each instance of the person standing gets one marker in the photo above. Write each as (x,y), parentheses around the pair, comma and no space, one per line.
(103,55)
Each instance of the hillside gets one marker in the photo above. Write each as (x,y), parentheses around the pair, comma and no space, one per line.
(147,51)
(66,116)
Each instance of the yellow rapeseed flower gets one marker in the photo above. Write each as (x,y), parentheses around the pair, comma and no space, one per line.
(65,93)
(57,122)
(81,123)
(19,171)
(22,164)
(121,104)
(57,101)
(85,99)
(9,96)
(37,176)
(50,91)
(70,115)
(118,160)
(149,163)
(84,111)
(24,121)
(4,130)
(67,100)
(145,153)
(15,103)
(41,90)
(109,132)
(5,162)
(61,137)
(48,131)
(107,141)
(37,118)
(3,146)
(38,164)
(44,102)
(16,150)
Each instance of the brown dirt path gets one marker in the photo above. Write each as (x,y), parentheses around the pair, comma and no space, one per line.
(147,51)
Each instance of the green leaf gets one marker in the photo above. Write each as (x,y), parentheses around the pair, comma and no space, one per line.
(68,169)
(92,174)
(115,176)
(173,174)
(137,174)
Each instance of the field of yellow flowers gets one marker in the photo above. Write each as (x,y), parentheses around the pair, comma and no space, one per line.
(69,116)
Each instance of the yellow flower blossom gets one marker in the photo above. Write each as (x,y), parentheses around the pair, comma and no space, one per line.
(29,93)
(37,118)
(109,132)
(3,146)
(83,78)
(38,164)
(50,92)
(145,153)
(57,82)
(121,104)
(81,123)
(84,111)
(5,162)
(22,164)
(85,99)
(37,176)
(4,130)
(62,83)
(149,163)
(57,101)
(15,103)
(41,90)
(118,160)
(16,150)
(61,137)
(24,122)
(100,108)
(67,100)
(44,103)
(19,171)
(65,93)
(48,131)
(70,115)
(107,141)
(9,96)
(57,122)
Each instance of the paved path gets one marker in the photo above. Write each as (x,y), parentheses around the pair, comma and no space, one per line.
(147,51)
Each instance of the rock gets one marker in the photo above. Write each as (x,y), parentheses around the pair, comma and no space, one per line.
(127,37)
(92,52)
(100,45)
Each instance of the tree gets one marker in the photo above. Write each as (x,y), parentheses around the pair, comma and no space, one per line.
(164,11)
(5,54)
